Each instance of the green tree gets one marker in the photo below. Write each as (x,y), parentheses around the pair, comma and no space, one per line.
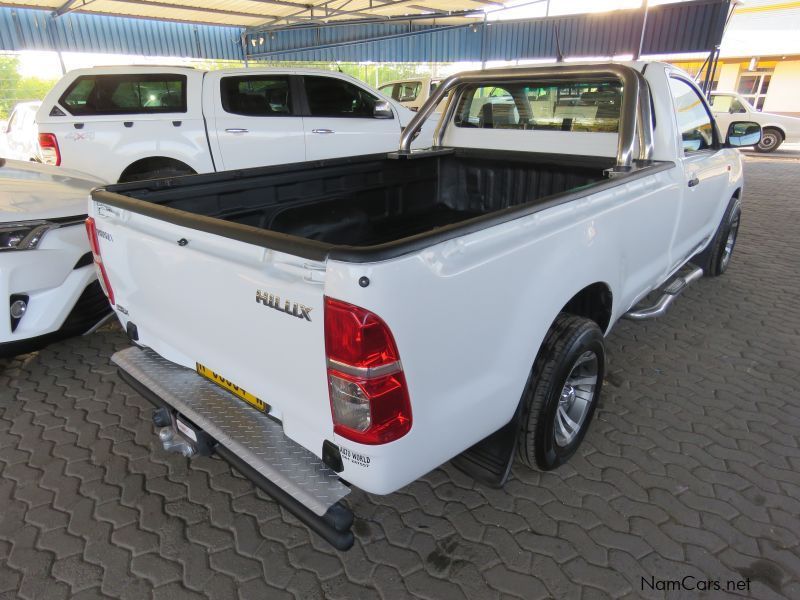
(14,88)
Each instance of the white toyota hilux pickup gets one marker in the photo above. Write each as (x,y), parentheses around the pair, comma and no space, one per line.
(360,321)
(134,123)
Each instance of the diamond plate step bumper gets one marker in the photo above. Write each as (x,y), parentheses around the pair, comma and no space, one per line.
(253,442)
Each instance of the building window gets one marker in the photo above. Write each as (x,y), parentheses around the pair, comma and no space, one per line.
(753,85)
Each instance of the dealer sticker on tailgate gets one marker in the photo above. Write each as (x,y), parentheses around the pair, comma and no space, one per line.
(232,388)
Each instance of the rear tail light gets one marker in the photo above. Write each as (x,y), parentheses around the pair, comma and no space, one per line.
(48,147)
(94,244)
(368,391)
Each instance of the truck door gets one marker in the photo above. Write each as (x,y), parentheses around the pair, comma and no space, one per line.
(706,168)
(256,122)
(341,120)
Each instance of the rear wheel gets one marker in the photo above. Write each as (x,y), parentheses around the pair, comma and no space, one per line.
(771,139)
(562,392)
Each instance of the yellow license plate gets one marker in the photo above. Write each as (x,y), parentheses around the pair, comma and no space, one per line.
(232,388)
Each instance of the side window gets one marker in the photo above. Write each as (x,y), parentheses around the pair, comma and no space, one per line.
(332,97)
(408,91)
(720,103)
(737,107)
(256,96)
(694,122)
(12,121)
(126,94)
(77,95)
(389,90)
(489,107)
(723,103)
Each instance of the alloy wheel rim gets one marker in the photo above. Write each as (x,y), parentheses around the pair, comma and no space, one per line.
(768,140)
(576,398)
(730,242)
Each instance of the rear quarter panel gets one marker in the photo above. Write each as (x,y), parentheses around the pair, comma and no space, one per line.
(470,314)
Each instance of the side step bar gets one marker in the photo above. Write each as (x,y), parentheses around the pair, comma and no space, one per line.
(674,289)
(194,414)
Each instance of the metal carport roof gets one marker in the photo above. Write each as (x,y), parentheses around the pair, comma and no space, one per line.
(253,13)
(694,26)
(683,27)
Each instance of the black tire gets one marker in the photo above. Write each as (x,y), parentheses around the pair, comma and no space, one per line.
(715,259)
(771,139)
(155,174)
(570,338)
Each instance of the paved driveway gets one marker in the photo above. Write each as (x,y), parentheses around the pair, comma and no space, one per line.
(692,468)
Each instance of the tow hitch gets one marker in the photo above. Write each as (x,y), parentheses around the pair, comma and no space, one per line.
(179,435)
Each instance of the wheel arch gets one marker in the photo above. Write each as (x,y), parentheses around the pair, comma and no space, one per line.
(778,128)
(594,302)
(149,163)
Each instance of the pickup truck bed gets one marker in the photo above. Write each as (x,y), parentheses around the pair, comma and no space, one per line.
(368,201)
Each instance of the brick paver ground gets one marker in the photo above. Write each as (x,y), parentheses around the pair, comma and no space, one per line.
(692,467)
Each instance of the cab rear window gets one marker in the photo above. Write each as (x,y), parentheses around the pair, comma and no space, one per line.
(126,94)
(575,106)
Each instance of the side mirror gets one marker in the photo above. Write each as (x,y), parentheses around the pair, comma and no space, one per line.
(3,126)
(383,110)
(743,133)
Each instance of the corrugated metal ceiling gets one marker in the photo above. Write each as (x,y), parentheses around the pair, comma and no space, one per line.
(694,26)
(252,13)
(685,27)
(38,30)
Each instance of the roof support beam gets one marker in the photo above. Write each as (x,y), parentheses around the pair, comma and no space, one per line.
(338,13)
(156,4)
(69,6)
(78,6)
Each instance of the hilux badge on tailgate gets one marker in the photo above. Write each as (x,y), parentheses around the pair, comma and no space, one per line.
(290,308)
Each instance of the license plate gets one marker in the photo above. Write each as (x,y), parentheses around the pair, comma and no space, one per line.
(242,393)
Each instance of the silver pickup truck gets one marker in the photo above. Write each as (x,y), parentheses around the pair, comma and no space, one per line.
(360,321)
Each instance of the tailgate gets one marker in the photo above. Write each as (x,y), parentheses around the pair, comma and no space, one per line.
(251,315)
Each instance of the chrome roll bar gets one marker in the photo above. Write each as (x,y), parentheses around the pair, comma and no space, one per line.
(635,124)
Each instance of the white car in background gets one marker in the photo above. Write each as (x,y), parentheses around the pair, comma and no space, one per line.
(776,129)
(133,123)
(48,283)
(412,92)
(18,134)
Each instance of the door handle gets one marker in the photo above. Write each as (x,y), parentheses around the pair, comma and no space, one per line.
(693,181)
(237,130)
(322,131)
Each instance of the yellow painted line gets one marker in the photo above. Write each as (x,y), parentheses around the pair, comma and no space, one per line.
(767,8)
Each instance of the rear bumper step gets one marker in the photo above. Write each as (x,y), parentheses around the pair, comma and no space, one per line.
(252,442)
(670,292)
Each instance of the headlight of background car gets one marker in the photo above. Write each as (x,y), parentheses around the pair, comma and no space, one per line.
(24,235)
